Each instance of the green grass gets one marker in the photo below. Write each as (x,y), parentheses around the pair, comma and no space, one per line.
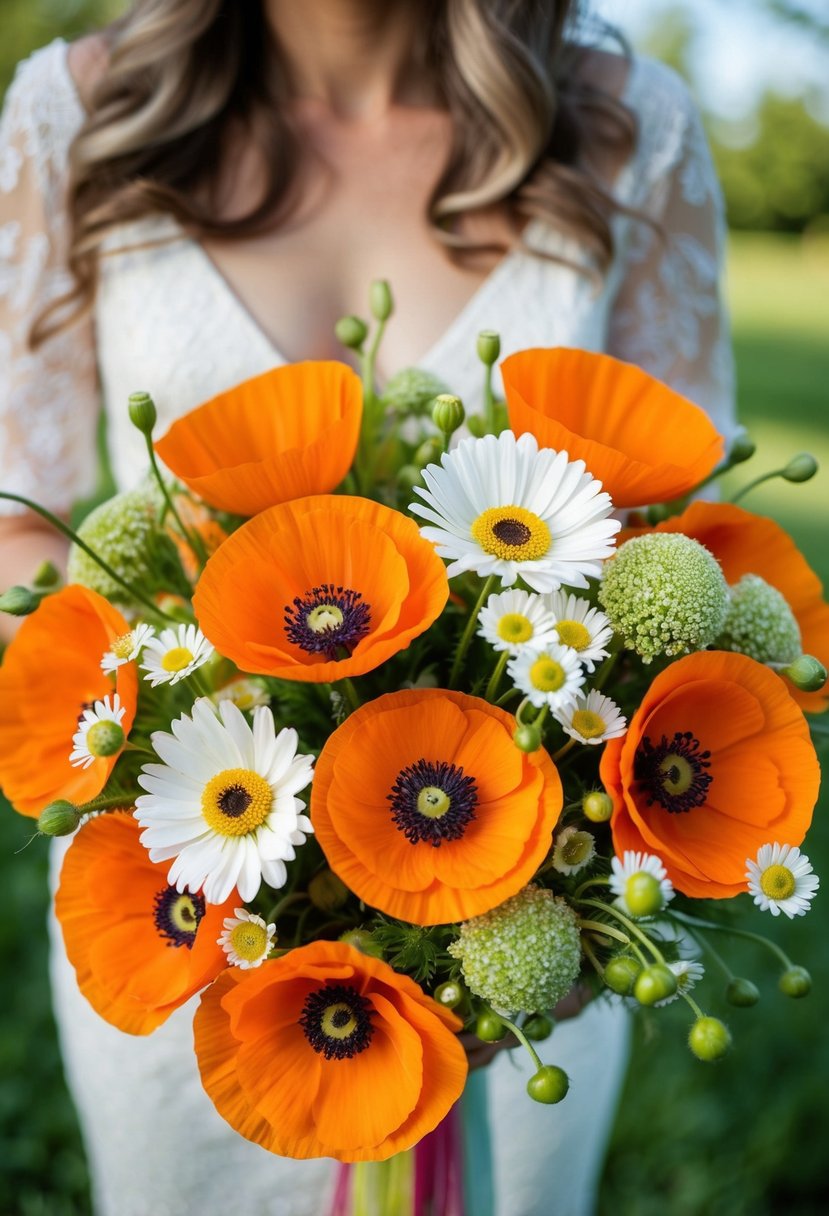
(735,1139)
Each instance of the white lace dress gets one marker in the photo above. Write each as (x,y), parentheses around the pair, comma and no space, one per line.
(166,321)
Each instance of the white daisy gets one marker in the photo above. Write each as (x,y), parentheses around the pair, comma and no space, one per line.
(581,626)
(246,939)
(126,648)
(515,619)
(246,692)
(626,881)
(592,719)
(223,803)
(574,849)
(99,732)
(782,880)
(502,506)
(174,654)
(553,676)
(688,974)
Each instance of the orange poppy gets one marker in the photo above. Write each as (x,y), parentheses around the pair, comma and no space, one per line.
(319,589)
(427,810)
(326,1052)
(289,432)
(51,673)
(717,761)
(139,947)
(643,441)
(744,543)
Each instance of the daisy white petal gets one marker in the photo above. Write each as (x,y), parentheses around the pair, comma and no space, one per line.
(175,653)
(515,619)
(581,626)
(126,648)
(782,880)
(246,939)
(553,676)
(630,868)
(99,732)
(592,719)
(688,974)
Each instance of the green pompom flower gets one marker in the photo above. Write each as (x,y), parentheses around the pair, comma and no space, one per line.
(760,623)
(523,955)
(411,391)
(664,593)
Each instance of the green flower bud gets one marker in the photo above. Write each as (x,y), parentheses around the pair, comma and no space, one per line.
(489,347)
(658,512)
(19,601)
(527,737)
(795,982)
(448,413)
(538,1028)
(621,973)
(351,332)
(327,892)
(709,1038)
(47,576)
(412,390)
(800,468)
(742,993)
(597,806)
(643,894)
(429,452)
(489,1027)
(549,1085)
(760,623)
(449,994)
(409,476)
(362,940)
(380,300)
(806,673)
(59,818)
(105,738)
(142,411)
(475,425)
(654,983)
(742,449)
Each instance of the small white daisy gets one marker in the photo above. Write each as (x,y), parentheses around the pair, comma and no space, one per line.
(126,648)
(99,732)
(174,654)
(223,803)
(246,939)
(515,619)
(553,676)
(502,506)
(626,882)
(574,849)
(581,626)
(782,880)
(245,692)
(688,974)
(592,719)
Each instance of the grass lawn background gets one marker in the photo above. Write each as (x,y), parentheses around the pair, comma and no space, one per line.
(736,1139)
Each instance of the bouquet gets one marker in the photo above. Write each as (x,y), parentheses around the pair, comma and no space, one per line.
(373,734)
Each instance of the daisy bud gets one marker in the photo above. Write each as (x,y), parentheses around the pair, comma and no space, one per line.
(597,806)
(46,577)
(760,623)
(18,601)
(538,1028)
(621,973)
(549,1085)
(142,411)
(489,347)
(742,449)
(476,426)
(380,300)
(448,413)
(800,468)
(59,818)
(449,994)
(105,738)
(654,983)
(351,331)
(429,452)
(709,1038)
(489,1027)
(363,941)
(327,892)
(643,894)
(795,982)
(806,673)
(527,737)
(742,993)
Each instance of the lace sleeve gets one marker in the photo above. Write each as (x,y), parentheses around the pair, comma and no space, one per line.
(668,316)
(48,397)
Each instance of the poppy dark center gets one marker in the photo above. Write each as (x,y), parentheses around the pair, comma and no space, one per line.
(433,802)
(177,915)
(328,620)
(511,532)
(336,1020)
(234,801)
(673,774)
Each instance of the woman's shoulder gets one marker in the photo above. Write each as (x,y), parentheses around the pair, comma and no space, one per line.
(43,112)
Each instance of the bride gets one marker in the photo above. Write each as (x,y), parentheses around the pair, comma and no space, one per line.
(197,194)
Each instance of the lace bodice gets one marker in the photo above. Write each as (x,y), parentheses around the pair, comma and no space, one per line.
(165,320)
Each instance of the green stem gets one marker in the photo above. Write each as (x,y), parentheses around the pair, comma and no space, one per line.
(598,926)
(705,926)
(756,482)
(715,954)
(522,1038)
(562,751)
(609,663)
(469,631)
(495,678)
(588,950)
(489,400)
(689,1000)
(193,540)
(107,803)
(66,531)
(286,901)
(508,696)
(591,882)
(628,924)
(350,693)
(136,747)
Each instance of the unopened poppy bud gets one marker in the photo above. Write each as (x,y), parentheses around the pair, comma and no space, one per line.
(47,576)
(327,892)
(800,468)
(621,973)
(597,806)
(795,982)
(448,413)
(538,1028)
(527,737)
(142,411)
(380,300)
(654,983)
(351,331)
(59,818)
(742,449)
(450,994)
(806,673)
(489,347)
(18,601)
(489,1027)
(363,941)
(742,993)
(429,452)
(549,1085)
(709,1038)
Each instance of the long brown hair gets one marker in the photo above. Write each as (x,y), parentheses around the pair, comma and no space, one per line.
(183,75)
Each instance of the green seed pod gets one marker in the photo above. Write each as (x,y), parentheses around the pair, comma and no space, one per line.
(527,738)
(538,1027)
(142,411)
(800,468)
(18,601)
(795,982)
(351,331)
(59,818)
(489,347)
(448,413)
(380,300)
(449,994)
(806,673)
(597,806)
(429,452)
(654,983)
(47,576)
(742,449)
(489,1027)
(742,993)
(549,1085)
(709,1038)
(643,894)
(621,973)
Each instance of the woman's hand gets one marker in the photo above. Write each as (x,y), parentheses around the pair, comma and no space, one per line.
(479,1053)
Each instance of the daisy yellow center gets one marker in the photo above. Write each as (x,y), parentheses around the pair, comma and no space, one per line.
(324,617)
(338,1021)
(514,628)
(236,801)
(512,533)
(177,658)
(547,675)
(433,802)
(777,882)
(104,738)
(249,940)
(122,647)
(588,724)
(573,633)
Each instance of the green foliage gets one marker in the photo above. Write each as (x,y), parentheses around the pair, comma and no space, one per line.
(413,948)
